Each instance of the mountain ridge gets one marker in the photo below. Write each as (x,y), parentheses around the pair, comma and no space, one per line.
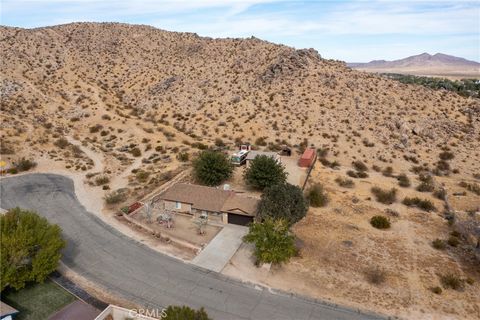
(423,64)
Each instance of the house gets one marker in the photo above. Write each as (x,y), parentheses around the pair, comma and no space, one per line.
(308,158)
(253,154)
(220,205)
(7,312)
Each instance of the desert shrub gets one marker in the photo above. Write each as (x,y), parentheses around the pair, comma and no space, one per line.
(403,180)
(101,180)
(385,196)
(345,182)
(283,201)
(95,128)
(24,164)
(261,141)
(439,244)
(76,150)
(446,155)
(357,174)
(423,204)
(380,222)
(331,164)
(472,187)
(61,143)
(6,148)
(263,172)
(453,241)
(219,142)
(440,194)
(317,196)
(115,197)
(387,172)
(212,168)
(136,152)
(436,290)
(322,152)
(359,165)
(426,184)
(452,281)
(142,176)
(375,275)
(183,156)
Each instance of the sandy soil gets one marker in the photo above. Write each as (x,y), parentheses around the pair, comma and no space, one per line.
(339,247)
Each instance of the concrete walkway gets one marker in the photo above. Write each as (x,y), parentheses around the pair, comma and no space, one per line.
(221,249)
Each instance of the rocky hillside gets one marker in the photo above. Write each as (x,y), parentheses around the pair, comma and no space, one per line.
(116,86)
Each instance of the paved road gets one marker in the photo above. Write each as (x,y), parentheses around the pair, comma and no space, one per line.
(127,268)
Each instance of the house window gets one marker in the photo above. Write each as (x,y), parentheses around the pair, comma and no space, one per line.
(178,205)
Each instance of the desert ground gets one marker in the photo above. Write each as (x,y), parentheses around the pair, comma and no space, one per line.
(123,107)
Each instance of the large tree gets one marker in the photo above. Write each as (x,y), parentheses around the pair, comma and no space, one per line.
(264,171)
(212,168)
(283,201)
(30,248)
(273,241)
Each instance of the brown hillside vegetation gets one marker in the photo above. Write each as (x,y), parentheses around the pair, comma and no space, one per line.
(122,101)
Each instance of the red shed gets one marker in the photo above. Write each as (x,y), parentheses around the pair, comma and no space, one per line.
(307,158)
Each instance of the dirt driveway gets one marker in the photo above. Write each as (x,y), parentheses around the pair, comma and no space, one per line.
(296,175)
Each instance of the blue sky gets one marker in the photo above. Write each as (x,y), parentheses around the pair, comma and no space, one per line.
(354,31)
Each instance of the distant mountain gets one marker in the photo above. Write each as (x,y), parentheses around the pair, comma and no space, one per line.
(438,64)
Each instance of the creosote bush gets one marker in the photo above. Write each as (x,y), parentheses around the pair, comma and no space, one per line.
(115,197)
(403,180)
(345,182)
(359,166)
(385,196)
(101,180)
(452,281)
(439,244)
(376,276)
(380,222)
(317,196)
(424,204)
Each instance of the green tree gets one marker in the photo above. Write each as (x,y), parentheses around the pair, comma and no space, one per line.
(185,313)
(30,248)
(273,241)
(264,171)
(283,201)
(211,168)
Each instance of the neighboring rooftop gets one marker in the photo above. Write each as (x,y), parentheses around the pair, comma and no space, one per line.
(6,310)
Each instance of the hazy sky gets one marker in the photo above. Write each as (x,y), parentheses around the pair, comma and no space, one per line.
(354,31)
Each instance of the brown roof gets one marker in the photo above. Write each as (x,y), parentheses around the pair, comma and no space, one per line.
(245,205)
(209,199)
(6,310)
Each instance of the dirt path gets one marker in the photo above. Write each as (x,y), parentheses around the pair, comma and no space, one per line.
(96,157)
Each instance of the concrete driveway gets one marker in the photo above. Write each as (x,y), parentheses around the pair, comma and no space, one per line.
(221,249)
(133,271)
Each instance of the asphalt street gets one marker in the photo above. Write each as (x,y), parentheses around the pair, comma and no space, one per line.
(133,271)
